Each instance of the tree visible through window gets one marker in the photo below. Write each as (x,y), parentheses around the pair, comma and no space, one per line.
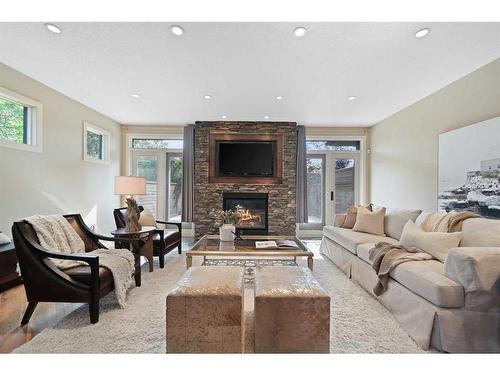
(13,121)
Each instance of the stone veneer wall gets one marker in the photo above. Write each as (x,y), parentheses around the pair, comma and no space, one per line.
(207,196)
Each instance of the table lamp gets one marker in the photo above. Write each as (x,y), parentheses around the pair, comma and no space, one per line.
(131,185)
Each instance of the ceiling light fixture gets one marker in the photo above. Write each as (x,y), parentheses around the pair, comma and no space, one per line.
(266,117)
(177,30)
(135,95)
(279,97)
(421,33)
(207,97)
(351,98)
(224,116)
(53,28)
(300,31)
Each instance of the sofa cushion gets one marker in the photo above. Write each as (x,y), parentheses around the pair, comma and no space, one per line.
(363,251)
(480,232)
(349,239)
(421,218)
(395,220)
(426,278)
(370,221)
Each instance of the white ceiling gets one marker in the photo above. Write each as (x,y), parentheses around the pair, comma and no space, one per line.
(244,66)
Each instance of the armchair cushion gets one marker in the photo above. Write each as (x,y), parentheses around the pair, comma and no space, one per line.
(147,219)
(82,274)
(477,269)
(170,236)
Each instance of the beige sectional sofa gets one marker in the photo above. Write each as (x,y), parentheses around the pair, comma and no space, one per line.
(452,306)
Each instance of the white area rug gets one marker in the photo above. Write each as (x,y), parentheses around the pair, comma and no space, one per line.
(359,324)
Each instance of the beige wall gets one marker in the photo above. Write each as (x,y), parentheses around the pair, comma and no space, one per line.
(404,147)
(57,180)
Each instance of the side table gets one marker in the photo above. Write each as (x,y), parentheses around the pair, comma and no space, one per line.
(144,244)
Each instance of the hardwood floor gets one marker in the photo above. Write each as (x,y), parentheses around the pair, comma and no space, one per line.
(47,314)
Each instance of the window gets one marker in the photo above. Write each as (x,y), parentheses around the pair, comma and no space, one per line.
(20,121)
(96,143)
(315,188)
(333,145)
(157,143)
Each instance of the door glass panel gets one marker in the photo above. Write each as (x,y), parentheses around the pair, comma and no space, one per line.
(344,184)
(147,166)
(315,192)
(174,188)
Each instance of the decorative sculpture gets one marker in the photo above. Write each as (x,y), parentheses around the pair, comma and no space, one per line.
(133,214)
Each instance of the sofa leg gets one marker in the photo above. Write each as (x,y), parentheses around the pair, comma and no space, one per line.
(94,312)
(29,311)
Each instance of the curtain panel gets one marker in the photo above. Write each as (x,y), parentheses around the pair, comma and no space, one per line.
(301,175)
(188,175)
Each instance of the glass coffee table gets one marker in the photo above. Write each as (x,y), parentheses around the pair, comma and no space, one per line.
(243,252)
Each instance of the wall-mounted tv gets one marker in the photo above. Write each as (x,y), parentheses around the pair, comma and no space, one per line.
(236,158)
(245,158)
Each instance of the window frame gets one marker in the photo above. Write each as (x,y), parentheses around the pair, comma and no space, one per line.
(34,128)
(88,127)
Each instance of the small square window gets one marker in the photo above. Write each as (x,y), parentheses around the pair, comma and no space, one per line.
(20,121)
(96,143)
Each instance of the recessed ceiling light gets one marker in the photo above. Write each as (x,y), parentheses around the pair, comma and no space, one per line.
(266,117)
(224,116)
(421,33)
(300,31)
(351,98)
(177,30)
(135,95)
(279,97)
(208,97)
(53,28)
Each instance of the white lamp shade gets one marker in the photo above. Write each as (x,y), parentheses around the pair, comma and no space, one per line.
(130,185)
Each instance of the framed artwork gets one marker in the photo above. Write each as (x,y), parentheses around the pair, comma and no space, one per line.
(469,169)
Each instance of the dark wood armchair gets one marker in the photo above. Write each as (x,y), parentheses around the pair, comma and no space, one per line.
(164,241)
(44,282)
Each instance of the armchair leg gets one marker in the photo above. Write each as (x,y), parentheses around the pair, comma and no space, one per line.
(179,248)
(162,259)
(94,311)
(29,311)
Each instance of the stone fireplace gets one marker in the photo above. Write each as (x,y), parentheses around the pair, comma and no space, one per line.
(281,206)
(254,210)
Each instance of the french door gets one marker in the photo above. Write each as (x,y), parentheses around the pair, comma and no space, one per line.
(163,172)
(333,183)
(342,183)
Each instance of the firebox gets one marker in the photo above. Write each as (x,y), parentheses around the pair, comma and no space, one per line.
(253,208)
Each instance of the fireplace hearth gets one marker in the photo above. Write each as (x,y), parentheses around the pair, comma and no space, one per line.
(254,210)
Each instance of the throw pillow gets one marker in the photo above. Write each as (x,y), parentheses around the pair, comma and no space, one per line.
(350,218)
(147,219)
(370,221)
(4,240)
(437,244)
(395,220)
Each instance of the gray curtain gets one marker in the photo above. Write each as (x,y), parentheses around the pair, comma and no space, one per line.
(301,175)
(188,175)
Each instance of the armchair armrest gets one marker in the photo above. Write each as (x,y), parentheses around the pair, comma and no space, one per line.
(339,219)
(477,269)
(178,224)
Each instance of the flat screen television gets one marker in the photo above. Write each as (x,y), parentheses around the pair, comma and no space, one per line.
(246,158)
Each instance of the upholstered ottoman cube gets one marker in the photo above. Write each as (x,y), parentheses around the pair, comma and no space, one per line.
(205,311)
(292,312)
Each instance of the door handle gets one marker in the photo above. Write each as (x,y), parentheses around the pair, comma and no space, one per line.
(332,195)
